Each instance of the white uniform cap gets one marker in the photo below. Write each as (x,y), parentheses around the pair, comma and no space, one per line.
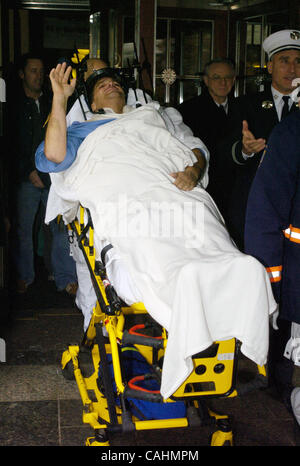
(281,40)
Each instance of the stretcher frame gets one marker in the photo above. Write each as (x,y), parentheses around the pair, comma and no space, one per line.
(214,374)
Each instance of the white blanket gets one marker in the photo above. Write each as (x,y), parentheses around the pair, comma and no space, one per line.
(190,276)
(292,349)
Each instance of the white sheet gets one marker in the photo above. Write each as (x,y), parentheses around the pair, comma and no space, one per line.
(200,294)
(292,349)
(172,118)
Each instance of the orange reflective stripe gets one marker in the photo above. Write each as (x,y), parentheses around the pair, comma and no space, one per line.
(292,233)
(275,273)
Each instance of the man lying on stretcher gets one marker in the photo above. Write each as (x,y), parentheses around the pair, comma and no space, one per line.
(81,111)
(194,281)
(106,93)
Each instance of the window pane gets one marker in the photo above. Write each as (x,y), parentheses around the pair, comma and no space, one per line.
(161,45)
(128,41)
(191,46)
(186,50)
(253,54)
(189,88)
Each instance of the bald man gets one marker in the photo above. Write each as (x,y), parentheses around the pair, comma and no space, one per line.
(92,65)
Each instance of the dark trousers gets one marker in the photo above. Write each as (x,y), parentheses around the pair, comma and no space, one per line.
(280,368)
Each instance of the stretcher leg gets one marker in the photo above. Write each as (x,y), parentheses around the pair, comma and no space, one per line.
(221,439)
(223,436)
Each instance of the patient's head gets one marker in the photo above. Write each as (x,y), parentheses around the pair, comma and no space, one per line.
(104,96)
(105,91)
(105,86)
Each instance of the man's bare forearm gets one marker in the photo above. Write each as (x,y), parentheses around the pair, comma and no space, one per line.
(56,133)
(189,178)
(199,167)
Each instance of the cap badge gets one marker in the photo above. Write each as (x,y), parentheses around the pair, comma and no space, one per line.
(267,104)
(295,35)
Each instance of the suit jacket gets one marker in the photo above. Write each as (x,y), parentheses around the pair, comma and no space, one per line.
(273,215)
(260,113)
(26,131)
(211,124)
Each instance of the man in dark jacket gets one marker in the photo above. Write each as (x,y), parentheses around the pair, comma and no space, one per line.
(208,116)
(256,116)
(28,115)
(272,235)
(272,223)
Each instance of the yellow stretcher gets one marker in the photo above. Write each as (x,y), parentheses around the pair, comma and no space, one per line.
(214,373)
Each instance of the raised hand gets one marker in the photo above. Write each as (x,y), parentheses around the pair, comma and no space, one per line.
(59,78)
(250,144)
(56,139)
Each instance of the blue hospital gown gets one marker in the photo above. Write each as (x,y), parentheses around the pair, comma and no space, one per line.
(76,133)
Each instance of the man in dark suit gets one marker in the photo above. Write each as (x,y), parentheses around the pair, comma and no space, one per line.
(208,117)
(272,224)
(256,116)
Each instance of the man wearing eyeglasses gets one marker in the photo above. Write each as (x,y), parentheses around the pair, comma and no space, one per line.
(208,116)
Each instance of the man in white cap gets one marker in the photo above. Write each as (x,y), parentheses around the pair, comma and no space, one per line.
(256,116)
(272,225)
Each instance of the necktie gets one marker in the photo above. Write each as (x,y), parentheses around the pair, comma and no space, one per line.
(222,110)
(285,108)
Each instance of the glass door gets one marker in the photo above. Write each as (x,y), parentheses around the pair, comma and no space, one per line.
(183,47)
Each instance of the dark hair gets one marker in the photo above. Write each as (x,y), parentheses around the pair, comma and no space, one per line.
(225,61)
(23,60)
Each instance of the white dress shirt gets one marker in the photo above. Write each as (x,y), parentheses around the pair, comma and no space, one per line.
(277,97)
(278,101)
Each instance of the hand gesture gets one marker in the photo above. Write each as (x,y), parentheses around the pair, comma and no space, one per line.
(186,180)
(250,144)
(59,78)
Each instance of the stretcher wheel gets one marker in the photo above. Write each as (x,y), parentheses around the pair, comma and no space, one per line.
(100,439)
(92,442)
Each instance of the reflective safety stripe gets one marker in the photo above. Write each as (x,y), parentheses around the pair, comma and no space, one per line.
(293,234)
(275,273)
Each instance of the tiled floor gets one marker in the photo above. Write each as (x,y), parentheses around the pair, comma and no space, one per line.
(39,407)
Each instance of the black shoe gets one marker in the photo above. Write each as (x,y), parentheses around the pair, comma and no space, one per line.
(285,396)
